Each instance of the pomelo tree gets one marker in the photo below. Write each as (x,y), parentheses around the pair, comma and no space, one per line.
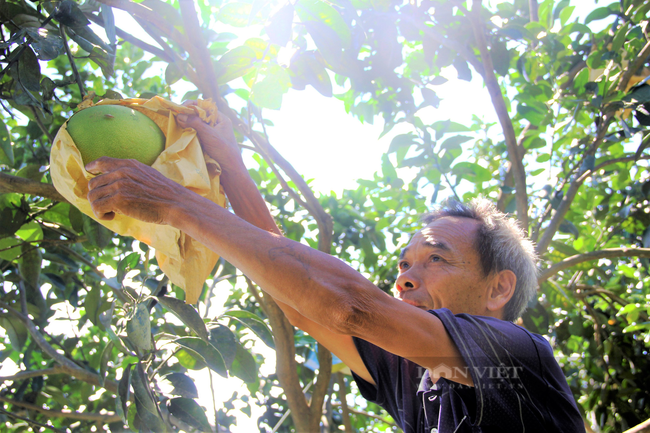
(567,158)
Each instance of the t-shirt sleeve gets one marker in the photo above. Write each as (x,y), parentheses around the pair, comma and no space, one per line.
(514,372)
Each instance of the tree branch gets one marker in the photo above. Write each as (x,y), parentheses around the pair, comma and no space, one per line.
(633,67)
(149,15)
(644,427)
(20,185)
(104,418)
(198,51)
(508,179)
(504,118)
(133,40)
(322,386)
(31,421)
(369,415)
(285,363)
(568,198)
(75,72)
(608,253)
(345,410)
(33,373)
(67,366)
(533,7)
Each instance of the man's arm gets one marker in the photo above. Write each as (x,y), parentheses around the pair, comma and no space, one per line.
(249,205)
(318,286)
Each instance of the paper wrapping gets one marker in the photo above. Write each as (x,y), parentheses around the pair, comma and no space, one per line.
(186,262)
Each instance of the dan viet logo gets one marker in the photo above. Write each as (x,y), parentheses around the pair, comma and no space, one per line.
(493,372)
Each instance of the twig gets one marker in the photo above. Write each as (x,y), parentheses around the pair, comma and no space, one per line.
(105,418)
(644,427)
(322,386)
(198,50)
(345,410)
(33,373)
(67,366)
(214,403)
(23,297)
(608,253)
(9,183)
(41,125)
(75,72)
(369,415)
(568,198)
(31,421)
(133,40)
(176,58)
(502,113)
(151,16)
(633,67)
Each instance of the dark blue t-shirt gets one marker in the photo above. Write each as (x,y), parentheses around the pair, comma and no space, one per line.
(518,385)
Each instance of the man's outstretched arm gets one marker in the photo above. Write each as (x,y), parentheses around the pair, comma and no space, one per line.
(248,204)
(320,287)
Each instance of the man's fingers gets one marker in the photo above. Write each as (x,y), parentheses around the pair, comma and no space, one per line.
(103,208)
(106,164)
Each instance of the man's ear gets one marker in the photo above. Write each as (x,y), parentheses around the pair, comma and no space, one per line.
(501,290)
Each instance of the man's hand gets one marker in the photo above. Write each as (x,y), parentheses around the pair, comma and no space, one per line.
(218,142)
(128,187)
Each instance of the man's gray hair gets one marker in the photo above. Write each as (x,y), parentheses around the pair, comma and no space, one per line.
(501,244)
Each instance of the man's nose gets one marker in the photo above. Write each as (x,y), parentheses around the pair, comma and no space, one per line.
(407,281)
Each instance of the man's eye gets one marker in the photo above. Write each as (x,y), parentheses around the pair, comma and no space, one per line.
(403,265)
(436,258)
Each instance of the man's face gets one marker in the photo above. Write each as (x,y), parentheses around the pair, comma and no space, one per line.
(440,268)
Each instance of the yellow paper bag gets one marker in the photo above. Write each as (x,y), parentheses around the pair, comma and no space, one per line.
(186,262)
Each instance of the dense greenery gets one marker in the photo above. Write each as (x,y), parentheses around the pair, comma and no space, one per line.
(568,158)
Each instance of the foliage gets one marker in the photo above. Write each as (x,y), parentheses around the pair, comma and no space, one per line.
(568,155)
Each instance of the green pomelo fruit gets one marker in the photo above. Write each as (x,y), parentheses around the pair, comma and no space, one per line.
(116,131)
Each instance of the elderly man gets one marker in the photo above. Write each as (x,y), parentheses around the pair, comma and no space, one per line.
(443,357)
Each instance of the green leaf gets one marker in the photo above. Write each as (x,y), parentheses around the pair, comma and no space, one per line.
(305,69)
(6,149)
(268,92)
(148,412)
(222,339)
(455,142)
(471,172)
(129,262)
(31,231)
(47,44)
(187,314)
(320,11)
(173,73)
(402,140)
(183,385)
(29,71)
(92,304)
(109,22)
(189,411)
(461,66)
(387,168)
(7,253)
(105,318)
(235,63)
(280,26)
(244,366)
(598,14)
(254,323)
(103,364)
(138,329)
(208,354)
(236,14)
(123,392)
(98,235)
